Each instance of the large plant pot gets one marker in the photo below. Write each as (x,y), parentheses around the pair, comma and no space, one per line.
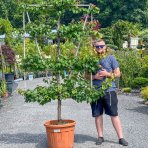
(60,136)
(10,87)
(9,77)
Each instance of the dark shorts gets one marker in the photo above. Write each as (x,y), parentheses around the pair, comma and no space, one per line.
(108,103)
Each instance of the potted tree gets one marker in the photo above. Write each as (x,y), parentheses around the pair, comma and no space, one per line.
(75,61)
(74,85)
(8,56)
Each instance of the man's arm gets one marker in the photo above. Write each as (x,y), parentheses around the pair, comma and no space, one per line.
(116,73)
(96,76)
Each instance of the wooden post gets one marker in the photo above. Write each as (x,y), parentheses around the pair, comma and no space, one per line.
(141,56)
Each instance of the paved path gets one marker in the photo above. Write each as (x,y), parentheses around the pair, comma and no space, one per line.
(21,124)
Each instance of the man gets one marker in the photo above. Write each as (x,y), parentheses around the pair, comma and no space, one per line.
(110,67)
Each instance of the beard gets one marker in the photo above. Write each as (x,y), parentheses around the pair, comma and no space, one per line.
(101,53)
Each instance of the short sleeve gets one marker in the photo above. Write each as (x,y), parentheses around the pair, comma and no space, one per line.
(114,62)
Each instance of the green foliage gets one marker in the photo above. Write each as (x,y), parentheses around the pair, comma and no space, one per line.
(68,57)
(86,61)
(33,62)
(139,82)
(145,42)
(130,66)
(107,35)
(6,28)
(111,46)
(144,38)
(3,87)
(112,10)
(74,84)
(127,90)
(38,30)
(121,31)
(144,93)
(72,31)
(75,87)
(144,69)
(30,48)
(143,32)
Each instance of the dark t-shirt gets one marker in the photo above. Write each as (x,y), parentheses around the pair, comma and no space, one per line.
(110,64)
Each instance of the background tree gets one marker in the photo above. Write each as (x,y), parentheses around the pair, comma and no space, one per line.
(130,10)
(135,11)
(122,31)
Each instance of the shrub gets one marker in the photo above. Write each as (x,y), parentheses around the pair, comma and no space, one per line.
(130,66)
(9,54)
(144,93)
(139,82)
(127,89)
(144,69)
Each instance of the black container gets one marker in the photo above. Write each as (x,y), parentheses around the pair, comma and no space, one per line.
(10,87)
(9,77)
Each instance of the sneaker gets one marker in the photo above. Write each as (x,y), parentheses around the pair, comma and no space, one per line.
(99,140)
(123,142)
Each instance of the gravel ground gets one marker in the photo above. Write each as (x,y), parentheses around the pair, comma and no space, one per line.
(21,124)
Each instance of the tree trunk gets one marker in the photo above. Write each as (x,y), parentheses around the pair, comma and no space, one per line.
(58,75)
(59,109)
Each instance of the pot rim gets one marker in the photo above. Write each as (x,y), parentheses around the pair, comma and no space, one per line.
(70,123)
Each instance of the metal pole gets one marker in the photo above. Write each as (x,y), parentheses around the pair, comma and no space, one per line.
(38,48)
(24,34)
(77,5)
(24,45)
(83,30)
(2,62)
(36,41)
(28,17)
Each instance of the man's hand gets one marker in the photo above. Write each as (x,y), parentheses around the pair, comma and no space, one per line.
(115,73)
(98,76)
(104,73)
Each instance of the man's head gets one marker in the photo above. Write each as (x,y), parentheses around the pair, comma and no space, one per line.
(100,46)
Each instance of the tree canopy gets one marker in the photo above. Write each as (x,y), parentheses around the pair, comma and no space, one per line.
(110,11)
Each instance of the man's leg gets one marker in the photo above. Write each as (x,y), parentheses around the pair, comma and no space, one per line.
(111,109)
(117,125)
(99,125)
(97,112)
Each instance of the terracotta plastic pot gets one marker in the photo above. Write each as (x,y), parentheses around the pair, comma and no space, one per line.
(60,136)
(5,95)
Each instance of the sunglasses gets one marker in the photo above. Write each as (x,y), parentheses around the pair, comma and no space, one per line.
(99,46)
